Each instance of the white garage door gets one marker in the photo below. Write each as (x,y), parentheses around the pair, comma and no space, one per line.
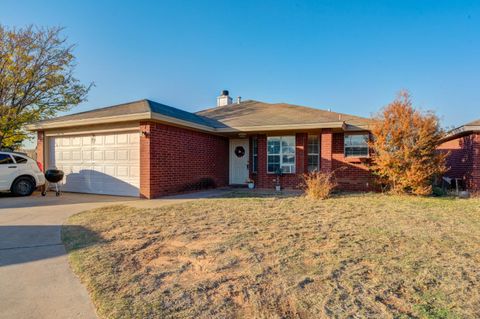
(98,163)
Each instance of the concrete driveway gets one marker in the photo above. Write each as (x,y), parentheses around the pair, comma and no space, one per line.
(35,278)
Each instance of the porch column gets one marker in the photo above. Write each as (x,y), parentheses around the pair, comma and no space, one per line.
(326,151)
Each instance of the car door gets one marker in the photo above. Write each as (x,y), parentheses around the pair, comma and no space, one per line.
(8,171)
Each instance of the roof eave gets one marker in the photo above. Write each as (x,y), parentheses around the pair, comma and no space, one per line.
(80,122)
(173,120)
(461,131)
(284,127)
(119,118)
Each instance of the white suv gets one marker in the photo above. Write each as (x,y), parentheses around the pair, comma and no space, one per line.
(20,174)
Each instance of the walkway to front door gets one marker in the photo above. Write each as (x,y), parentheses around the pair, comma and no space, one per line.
(239,156)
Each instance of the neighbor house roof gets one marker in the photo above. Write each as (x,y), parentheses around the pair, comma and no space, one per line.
(466,129)
(246,116)
(474,123)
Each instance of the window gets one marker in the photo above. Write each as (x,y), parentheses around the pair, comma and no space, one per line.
(281,154)
(313,153)
(254,155)
(19,159)
(6,159)
(356,145)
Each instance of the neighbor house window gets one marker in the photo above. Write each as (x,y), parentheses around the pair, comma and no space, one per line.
(313,153)
(356,145)
(254,155)
(281,154)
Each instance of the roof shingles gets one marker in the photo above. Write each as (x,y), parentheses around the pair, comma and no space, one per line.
(254,113)
(249,113)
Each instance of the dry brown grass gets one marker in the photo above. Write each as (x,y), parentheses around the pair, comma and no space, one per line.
(318,185)
(356,256)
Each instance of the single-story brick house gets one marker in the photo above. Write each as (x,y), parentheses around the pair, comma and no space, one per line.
(463,145)
(149,149)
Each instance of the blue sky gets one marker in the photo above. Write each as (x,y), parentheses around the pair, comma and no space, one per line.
(350,56)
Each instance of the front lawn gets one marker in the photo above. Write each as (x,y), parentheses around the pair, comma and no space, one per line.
(349,256)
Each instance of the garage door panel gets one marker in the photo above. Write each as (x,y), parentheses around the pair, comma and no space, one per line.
(76,141)
(134,156)
(86,140)
(109,139)
(122,155)
(76,155)
(98,140)
(98,155)
(66,156)
(134,172)
(110,155)
(100,163)
(122,139)
(87,156)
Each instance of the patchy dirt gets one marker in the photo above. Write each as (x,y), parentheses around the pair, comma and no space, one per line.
(346,257)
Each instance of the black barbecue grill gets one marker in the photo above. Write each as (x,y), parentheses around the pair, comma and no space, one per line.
(53,176)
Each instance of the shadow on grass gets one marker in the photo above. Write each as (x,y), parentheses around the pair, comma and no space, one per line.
(76,237)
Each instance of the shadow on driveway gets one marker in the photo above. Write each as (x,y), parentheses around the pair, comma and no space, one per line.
(23,244)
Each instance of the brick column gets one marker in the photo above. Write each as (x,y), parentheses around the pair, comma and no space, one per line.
(475,179)
(301,140)
(40,148)
(145,160)
(326,151)
(262,176)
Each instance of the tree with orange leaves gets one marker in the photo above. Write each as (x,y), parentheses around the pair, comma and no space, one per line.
(404,147)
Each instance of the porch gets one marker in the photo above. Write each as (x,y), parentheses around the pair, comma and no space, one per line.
(260,157)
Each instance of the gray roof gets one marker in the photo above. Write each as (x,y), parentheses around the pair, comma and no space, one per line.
(136,107)
(249,113)
(254,113)
(463,130)
(473,123)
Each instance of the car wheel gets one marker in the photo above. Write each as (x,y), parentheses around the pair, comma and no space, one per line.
(23,186)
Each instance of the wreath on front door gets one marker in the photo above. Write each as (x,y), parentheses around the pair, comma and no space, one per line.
(239,151)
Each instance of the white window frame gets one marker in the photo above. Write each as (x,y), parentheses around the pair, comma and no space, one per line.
(309,154)
(281,154)
(254,155)
(366,137)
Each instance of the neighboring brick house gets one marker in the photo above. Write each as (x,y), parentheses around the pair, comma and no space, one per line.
(149,149)
(463,146)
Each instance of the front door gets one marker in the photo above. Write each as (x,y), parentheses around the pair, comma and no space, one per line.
(239,161)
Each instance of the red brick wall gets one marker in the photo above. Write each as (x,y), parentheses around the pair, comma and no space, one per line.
(355,176)
(265,180)
(40,148)
(326,142)
(351,174)
(464,159)
(175,160)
